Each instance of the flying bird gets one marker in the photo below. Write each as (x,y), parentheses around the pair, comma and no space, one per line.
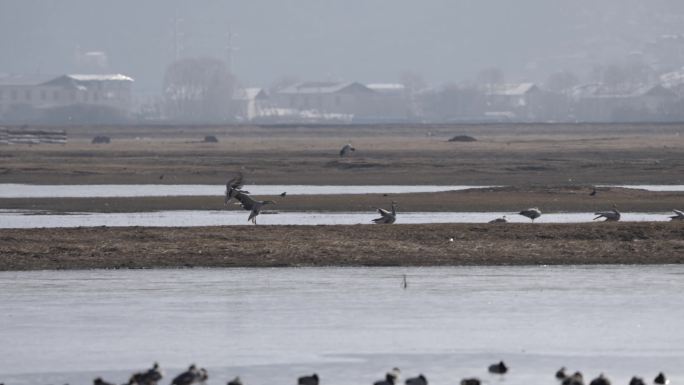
(346,150)
(234,187)
(611,216)
(387,216)
(254,206)
(532,213)
(679,215)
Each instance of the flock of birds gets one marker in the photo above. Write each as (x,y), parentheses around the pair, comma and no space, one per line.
(199,376)
(234,190)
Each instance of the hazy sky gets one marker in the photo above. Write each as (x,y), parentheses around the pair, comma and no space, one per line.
(353,40)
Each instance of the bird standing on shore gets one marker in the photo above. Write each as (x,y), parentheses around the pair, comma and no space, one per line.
(611,216)
(499,220)
(308,380)
(190,376)
(661,379)
(600,380)
(346,150)
(532,213)
(560,374)
(235,381)
(420,380)
(387,216)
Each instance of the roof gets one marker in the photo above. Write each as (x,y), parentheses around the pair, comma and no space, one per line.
(24,80)
(672,79)
(99,77)
(38,79)
(511,89)
(323,88)
(386,87)
(600,90)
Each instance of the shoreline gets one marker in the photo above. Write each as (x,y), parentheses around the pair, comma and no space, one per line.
(342,245)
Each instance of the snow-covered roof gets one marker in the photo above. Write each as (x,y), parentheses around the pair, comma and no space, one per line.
(24,80)
(386,87)
(511,89)
(321,87)
(600,90)
(672,79)
(99,77)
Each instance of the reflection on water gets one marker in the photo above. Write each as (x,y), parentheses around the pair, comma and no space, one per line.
(28,219)
(348,324)
(11,190)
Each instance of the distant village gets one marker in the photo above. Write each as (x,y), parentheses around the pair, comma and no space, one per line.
(217,98)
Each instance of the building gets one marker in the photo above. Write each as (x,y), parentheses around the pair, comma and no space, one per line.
(326,97)
(66,98)
(249,103)
(601,103)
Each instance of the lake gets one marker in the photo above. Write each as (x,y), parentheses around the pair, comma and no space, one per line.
(350,325)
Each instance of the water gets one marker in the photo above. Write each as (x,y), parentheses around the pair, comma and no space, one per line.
(11,190)
(31,219)
(349,325)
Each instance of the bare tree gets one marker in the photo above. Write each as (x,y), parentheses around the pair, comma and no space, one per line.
(198,90)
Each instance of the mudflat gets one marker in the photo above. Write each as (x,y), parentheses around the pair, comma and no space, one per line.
(553,167)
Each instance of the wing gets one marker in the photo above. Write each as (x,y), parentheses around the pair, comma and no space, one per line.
(233,186)
(679,213)
(384,213)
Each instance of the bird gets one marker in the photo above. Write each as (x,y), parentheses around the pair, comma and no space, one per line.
(661,379)
(391,378)
(679,215)
(499,368)
(190,376)
(308,380)
(420,380)
(283,194)
(234,187)
(611,216)
(386,216)
(560,374)
(499,220)
(235,381)
(636,381)
(149,377)
(593,191)
(98,381)
(532,213)
(251,204)
(470,381)
(600,380)
(346,149)
(575,379)
(404,283)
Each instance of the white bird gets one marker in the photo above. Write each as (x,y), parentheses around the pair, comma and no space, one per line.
(386,216)
(611,216)
(346,149)
(532,213)
(679,215)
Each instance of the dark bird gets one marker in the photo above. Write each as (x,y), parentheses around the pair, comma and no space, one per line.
(560,374)
(387,217)
(161,176)
(98,381)
(235,381)
(575,379)
(532,213)
(661,379)
(499,368)
(188,377)
(254,206)
(420,380)
(636,381)
(611,216)
(679,215)
(234,187)
(346,150)
(283,193)
(470,381)
(150,377)
(600,380)
(593,192)
(404,284)
(308,380)
(391,378)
